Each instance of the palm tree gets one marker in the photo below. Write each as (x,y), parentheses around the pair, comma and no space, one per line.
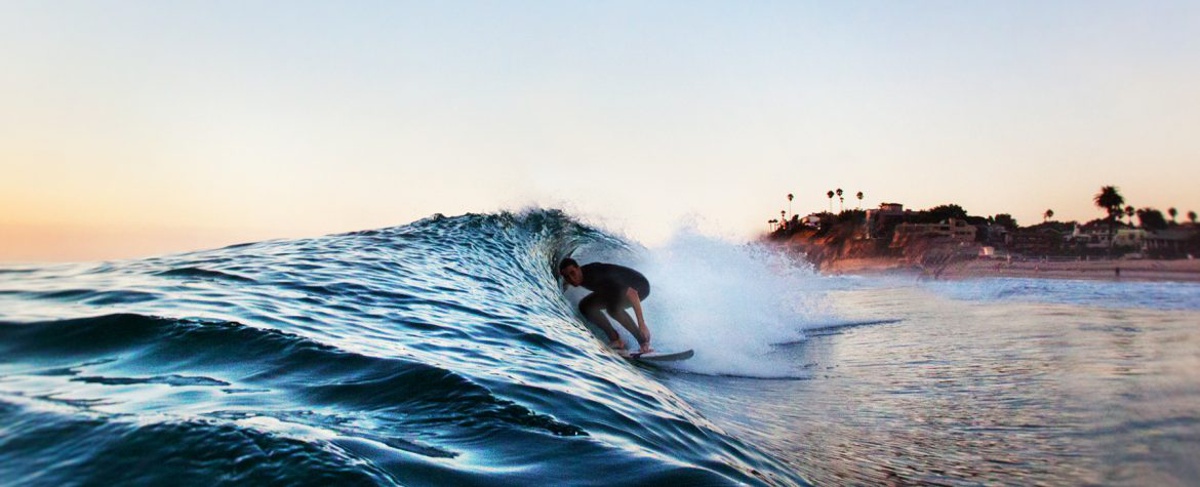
(830,195)
(772,223)
(1110,200)
(841,200)
(1192,217)
(790,196)
(1172,211)
(1047,216)
(1129,212)
(859,195)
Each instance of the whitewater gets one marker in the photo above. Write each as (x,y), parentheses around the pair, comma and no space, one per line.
(447,352)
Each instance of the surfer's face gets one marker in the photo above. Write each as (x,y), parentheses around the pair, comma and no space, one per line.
(573,274)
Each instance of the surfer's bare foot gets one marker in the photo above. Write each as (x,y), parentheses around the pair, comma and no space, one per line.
(645,348)
(617,344)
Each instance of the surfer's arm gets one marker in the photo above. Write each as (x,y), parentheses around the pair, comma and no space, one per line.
(636,300)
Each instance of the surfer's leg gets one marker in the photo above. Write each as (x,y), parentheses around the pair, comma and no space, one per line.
(618,313)
(591,307)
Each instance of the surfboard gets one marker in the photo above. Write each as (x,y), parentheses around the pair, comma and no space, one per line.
(658,356)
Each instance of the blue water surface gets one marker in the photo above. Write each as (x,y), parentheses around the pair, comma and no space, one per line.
(437,353)
(446,352)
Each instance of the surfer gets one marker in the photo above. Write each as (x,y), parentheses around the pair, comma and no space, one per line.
(614,288)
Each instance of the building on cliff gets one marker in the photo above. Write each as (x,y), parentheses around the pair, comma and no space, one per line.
(952,230)
(881,221)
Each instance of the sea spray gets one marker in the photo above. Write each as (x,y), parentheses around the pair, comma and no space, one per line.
(730,302)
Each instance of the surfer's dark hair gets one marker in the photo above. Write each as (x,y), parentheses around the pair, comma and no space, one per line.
(567,262)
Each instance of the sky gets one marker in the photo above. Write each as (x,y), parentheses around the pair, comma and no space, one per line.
(132,128)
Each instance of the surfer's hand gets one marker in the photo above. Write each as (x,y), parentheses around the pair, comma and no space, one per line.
(645,338)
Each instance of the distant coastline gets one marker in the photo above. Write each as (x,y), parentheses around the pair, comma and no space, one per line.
(945,242)
(1183,270)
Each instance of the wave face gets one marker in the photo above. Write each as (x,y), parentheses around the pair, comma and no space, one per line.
(443,352)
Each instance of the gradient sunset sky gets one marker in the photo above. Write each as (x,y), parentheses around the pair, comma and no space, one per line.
(130,128)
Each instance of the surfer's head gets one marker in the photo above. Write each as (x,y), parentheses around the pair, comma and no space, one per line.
(570,271)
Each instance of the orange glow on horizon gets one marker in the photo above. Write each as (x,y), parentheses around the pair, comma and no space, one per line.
(73,243)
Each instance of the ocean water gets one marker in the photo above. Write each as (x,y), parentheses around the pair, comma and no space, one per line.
(445,352)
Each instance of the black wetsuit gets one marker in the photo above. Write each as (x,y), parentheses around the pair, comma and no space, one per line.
(608,283)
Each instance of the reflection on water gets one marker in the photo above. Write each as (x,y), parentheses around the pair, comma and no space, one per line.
(964,392)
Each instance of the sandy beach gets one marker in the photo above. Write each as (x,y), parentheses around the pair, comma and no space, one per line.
(1137,270)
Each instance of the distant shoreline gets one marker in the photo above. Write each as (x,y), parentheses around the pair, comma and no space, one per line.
(1182,270)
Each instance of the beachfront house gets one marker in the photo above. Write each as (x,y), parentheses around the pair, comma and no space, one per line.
(1036,241)
(995,234)
(1170,242)
(952,230)
(1098,237)
(879,222)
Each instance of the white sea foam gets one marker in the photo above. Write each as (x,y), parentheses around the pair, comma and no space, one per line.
(728,301)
